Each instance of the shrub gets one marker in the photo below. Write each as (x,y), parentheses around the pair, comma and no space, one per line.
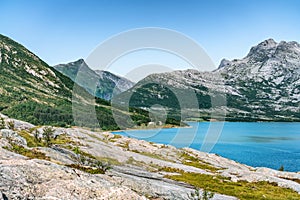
(48,133)
(30,153)
(281,168)
(11,125)
(2,123)
(196,195)
(36,136)
(104,166)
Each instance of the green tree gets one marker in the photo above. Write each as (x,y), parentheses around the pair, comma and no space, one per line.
(48,133)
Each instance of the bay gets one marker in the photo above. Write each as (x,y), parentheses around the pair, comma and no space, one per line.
(258,144)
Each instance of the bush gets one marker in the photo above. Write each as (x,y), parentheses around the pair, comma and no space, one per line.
(11,125)
(206,195)
(2,123)
(104,166)
(281,168)
(30,153)
(36,136)
(48,134)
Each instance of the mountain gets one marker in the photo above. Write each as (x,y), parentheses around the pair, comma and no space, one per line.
(32,91)
(264,85)
(30,88)
(102,84)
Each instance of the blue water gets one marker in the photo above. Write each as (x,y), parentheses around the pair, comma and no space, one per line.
(258,144)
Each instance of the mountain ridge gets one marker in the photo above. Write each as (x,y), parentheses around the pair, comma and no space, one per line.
(33,91)
(262,86)
(102,84)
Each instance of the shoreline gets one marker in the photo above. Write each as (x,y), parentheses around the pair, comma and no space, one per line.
(167,140)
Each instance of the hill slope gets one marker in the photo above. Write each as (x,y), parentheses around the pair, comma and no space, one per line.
(30,89)
(33,91)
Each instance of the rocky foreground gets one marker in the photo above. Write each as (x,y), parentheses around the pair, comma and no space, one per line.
(64,168)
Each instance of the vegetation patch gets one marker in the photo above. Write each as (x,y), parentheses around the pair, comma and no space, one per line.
(78,151)
(30,153)
(111,161)
(114,138)
(125,145)
(195,162)
(243,190)
(89,170)
(171,170)
(47,140)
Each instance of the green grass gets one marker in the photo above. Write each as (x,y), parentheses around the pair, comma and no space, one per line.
(243,190)
(171,170)
(30,153)
(195,162)
(32,142)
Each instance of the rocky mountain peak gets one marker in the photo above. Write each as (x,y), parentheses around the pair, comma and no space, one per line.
(224,63)
(263,50)
(269,43)
(106,82)
(79,61)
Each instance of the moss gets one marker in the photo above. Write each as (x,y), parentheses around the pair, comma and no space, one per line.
(241,189)
(30,153)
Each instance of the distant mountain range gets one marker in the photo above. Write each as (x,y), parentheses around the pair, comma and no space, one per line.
(265,85)
(102,84)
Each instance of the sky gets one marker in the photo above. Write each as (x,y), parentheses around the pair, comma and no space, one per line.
(60,31)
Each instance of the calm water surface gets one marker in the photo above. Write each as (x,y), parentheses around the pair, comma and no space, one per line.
(256,144)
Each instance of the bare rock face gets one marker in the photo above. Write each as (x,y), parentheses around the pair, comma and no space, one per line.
(264,85)
(11,135)
(39,179)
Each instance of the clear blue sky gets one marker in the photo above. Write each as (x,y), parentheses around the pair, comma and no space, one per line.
(60,31)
